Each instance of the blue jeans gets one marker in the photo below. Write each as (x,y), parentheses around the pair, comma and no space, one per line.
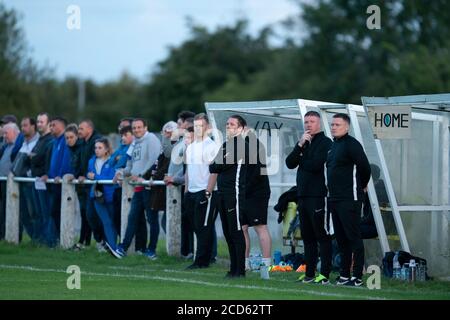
(140,203)
(152,218)
(105,212)
(28,216)
(42,205)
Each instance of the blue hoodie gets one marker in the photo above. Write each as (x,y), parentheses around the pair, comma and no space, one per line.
(60,159)
(106,173)
(120,157)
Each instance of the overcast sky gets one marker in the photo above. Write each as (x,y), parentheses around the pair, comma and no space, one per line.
(118,35)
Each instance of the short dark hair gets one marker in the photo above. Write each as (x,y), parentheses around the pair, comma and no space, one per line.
(190,129)
(201,116)
(129,119)
(126,129)
(312,114)
(60,119)
(183,115)
(342,116)
(44,114)
(140,119)
(32,121)
(190,121)
(72,128)
(240,120)
(89,122)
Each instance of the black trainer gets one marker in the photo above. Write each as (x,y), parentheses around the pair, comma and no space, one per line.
(343,281)
(354,282)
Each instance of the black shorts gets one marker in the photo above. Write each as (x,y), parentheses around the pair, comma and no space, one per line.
(255,211)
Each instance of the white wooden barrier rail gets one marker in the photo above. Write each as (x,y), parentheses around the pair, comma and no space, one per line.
(69,204)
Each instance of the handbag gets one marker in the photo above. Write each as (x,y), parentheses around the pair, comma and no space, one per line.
(99,193)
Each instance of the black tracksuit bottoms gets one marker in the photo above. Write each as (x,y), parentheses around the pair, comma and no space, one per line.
(201,214)
(346,215)
(230,212)
(314,226)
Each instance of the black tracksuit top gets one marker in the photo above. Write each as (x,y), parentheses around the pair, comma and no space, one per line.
(230,166)
(311,165)
(257,181)
(348,170)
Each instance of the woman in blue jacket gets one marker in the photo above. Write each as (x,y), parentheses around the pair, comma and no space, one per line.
(101,168)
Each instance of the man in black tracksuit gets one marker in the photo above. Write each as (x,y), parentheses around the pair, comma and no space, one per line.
(230,166)
(310,155)
(348,173)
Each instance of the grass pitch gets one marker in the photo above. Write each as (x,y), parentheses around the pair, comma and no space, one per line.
(32,272)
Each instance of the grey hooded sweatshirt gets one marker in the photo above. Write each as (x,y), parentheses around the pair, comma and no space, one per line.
(143,154)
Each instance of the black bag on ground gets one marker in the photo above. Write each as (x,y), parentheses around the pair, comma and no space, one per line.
(403,257)
(296,259)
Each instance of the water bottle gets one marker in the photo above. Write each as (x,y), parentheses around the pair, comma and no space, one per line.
(405,272)
(264,272)
(257,262)
(277,257)
(412,270)
(396,273)
(422,269)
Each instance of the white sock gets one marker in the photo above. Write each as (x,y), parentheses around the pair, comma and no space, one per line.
(267,261)
(247,264)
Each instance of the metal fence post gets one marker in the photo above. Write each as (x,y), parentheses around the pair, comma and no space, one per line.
(12,210)
(127,195)
(68,212)
(173,220)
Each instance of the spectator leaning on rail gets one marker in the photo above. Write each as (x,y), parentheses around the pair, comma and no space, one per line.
(21,168)
(86,132)
(175,175)
(158,197)
(101,168)
(119,160)
(143,154)
(19,140)
(59,166)
(348,173)
(75,146)
(310,155)
(10,134)
(40,163)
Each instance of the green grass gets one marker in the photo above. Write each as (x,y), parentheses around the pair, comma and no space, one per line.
(31,272)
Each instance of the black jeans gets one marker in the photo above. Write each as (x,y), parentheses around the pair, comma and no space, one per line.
(315,230)
(85,231)
(346,221)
